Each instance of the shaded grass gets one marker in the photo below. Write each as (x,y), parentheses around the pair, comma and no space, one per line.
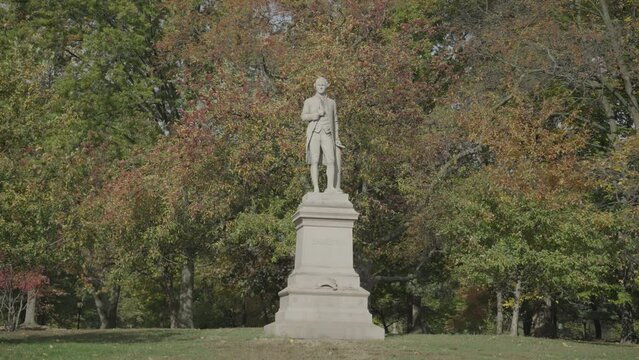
(253,344)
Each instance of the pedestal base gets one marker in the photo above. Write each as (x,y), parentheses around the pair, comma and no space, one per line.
(323,298)
(325,330)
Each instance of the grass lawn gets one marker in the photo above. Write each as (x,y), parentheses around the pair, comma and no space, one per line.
(253,344)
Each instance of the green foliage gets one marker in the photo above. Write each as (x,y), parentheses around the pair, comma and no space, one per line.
(496,237)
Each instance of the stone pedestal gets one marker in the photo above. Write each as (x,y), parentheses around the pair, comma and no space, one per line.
(323,298)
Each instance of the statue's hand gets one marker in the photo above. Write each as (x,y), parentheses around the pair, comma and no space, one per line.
(317,116)
(339,144)
(321,112)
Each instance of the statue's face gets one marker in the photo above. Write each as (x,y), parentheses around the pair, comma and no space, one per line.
(321,88)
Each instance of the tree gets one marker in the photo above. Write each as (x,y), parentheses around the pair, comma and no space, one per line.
(489,151)
(95,95)
(537,153)
(16,291)
(618,195)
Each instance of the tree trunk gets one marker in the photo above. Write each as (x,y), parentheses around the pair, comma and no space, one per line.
(514,325)
(384,322)
(101,305)
(585,331)
(382,318)
(186,295)
(527,315)
(624,72)
(112,315)
(244,319)
(554,309)
(417,314)
(596,320)
(167,288)
(610,118)
(597,324)
(17,314)
(499,319)
(173,318)
(410,320)
(264,309)
(628,334)
(30,313)
(107,307)
(548,326)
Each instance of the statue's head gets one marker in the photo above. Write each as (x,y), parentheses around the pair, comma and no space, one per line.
(321,84)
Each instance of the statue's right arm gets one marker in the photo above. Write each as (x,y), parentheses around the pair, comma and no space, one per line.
(306,113)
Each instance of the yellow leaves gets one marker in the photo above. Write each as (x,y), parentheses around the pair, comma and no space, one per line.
(535,146)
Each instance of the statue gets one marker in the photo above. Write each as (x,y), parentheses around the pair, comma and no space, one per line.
(322,137)
(323,297)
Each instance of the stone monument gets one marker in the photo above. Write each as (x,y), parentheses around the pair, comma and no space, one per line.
(323,298)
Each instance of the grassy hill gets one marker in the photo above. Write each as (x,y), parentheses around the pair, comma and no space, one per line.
(251,343)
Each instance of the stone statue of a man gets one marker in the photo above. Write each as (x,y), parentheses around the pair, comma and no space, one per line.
(322,137)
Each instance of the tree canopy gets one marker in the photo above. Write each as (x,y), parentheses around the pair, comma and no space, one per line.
(151,158)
